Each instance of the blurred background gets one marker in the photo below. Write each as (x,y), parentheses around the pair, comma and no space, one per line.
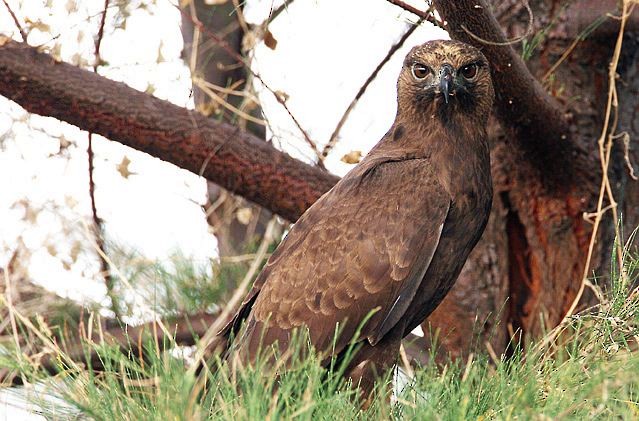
(144,238)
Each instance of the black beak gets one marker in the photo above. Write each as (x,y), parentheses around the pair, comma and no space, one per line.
(445,80)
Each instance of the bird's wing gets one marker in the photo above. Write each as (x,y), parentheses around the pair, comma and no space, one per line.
(364,245)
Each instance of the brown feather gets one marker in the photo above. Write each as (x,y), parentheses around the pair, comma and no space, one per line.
(393,234)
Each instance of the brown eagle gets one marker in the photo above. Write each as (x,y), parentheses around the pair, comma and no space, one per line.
(393,234)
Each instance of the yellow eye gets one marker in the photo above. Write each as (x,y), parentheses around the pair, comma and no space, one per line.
(469,71)
(420,71)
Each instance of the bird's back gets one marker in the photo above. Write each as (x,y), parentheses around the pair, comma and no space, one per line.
(358,248)
(392,235)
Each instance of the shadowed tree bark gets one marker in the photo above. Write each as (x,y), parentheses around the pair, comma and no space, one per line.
(526,270)
(210,62)
(545,162)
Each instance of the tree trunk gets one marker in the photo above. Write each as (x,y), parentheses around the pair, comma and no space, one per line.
(236,223)
(524,274)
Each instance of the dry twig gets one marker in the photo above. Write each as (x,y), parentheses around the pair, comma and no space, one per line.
(605,191)
(211,334)
(427,15)
(23,34)
(332,141)
(241,60)
(97,221)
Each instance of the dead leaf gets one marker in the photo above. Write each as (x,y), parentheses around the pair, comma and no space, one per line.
(70,201)
(75,251)
(123,167)
(282,96)
(39,25)
(52,250)
(215,2)
(353,157)
(30,214)
(244,215)
(208,108)
(249,40)
(64,142)
(71,6)
(270,40)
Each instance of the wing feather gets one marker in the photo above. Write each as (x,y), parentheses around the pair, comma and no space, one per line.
(365,244)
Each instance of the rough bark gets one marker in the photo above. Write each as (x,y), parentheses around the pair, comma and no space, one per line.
(214,64)
(220,152)
(526,270)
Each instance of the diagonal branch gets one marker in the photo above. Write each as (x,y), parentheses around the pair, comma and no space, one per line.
(220,152)
(521,103)
(332,141)
(424,15)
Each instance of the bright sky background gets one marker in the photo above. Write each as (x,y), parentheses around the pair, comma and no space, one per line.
(325,52)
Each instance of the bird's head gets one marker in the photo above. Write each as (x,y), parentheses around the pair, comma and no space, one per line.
(446,78)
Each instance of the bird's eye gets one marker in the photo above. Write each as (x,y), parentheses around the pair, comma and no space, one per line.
(469,71)
(420,71)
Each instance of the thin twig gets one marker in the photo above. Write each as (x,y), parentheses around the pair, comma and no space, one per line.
(275,13)
(333,139)
(241,60)
(200,83)
(196,39)
(16,21)
(604,156)
(510,41)
(625,138)
(229,90)
(240,16)
(581,37)
(427,15)
(97,221)
(605,146)
(212,333)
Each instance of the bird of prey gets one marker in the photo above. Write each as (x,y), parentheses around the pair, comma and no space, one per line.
(392,235)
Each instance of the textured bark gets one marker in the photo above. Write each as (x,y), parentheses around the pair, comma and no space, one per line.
(220,152)
(216,65)
(526,270)
(521,103)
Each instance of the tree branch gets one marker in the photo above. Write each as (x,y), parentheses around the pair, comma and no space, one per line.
(424,15)
(220,152)
(184,330)
(521,103)
(332,141)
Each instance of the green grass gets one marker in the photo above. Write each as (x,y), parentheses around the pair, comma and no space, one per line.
(590,372)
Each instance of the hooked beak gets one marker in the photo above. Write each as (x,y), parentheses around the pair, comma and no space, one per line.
(445,80)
